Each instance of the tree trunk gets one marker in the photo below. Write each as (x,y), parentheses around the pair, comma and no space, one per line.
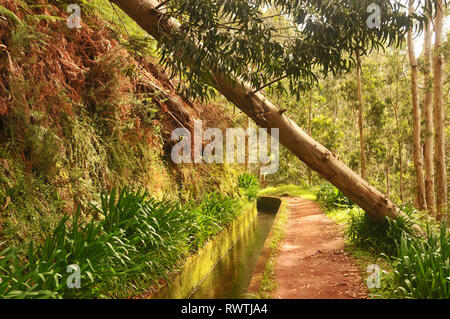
(388,168)
(360,117)
(417,154)
(428,114)
(438,110)
(267,115)
(400,159)
(309,130)
(336,107)
(399,142)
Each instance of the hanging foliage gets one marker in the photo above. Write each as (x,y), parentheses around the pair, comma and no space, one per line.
(263,41)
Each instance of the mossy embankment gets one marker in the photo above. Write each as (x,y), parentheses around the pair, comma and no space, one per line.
(88,109)
(83,112)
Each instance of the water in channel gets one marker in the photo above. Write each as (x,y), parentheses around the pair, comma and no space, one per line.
(231,276)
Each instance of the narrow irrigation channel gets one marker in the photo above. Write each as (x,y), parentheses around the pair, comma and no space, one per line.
(232,274)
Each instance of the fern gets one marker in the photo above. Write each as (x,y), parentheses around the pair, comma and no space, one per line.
(10,15)
(39,17)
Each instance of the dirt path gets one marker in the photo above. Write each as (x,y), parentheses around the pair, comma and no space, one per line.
(311,262)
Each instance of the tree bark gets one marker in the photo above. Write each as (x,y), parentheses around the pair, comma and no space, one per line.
(309,130)
(417,154)
(428,114)
(267,115)
(360,118)
(399,142)
(388,168)
(438,112)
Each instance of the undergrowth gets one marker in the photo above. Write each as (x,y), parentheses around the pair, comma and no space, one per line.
(289,190)
(134,242)
(421,268)
(331,197)
(377,237)
(415,265)
(250,184)
(82,110)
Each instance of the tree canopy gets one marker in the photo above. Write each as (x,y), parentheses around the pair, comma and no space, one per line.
(263,41)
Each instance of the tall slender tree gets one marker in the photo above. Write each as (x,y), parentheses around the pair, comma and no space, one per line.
(399,140)
(388,166)
(360,116)
(417,153)
(428,114)
(309,129)
(438,112)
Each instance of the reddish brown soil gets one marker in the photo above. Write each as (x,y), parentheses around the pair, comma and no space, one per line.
(312,263)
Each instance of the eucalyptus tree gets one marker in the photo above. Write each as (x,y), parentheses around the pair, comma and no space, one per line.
(417,149)
(395,71)
(428,115)
(235,48)
(360,117)
(438,114)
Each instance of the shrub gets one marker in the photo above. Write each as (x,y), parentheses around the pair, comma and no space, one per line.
(378,237)
(138,239)
(211,216)
(422,266)
(250,184)
(332,197)
(421,218)
(43,274)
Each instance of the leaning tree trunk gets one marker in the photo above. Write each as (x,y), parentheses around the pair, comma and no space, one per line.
(438,110)
(267,115)
(418,164)
(428,114)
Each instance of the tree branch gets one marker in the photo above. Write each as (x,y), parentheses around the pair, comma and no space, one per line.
(267,84)
(161,4)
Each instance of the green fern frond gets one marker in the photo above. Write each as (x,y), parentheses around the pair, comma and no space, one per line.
(10,15)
